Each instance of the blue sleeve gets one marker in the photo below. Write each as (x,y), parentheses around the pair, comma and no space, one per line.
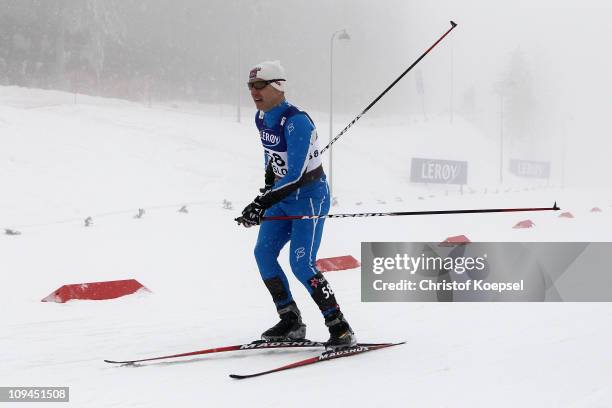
(298,132)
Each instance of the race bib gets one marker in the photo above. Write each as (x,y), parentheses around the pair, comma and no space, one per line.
(278,160)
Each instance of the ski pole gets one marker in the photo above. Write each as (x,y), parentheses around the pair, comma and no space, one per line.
(453,25)
(396,214)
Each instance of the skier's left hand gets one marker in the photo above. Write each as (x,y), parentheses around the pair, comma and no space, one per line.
(252,214)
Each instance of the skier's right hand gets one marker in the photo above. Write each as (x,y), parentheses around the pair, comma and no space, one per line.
(252,214)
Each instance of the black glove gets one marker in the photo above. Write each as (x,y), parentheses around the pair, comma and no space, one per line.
(252,214)
(269,178)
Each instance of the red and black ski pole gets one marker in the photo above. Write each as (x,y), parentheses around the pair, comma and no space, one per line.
(453,25)
(402,213)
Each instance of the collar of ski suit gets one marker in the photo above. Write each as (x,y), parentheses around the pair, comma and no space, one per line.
(273,116)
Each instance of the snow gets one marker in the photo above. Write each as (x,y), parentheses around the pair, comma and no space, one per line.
(61,162)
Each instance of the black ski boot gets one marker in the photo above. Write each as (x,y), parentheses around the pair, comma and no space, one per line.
(340,333)
(290,327)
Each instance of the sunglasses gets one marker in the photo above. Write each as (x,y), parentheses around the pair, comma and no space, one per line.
(259,85)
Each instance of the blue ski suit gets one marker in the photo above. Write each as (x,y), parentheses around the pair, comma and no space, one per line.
(291,150)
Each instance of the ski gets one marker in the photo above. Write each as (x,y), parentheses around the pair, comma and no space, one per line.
(328,355)
(255,345)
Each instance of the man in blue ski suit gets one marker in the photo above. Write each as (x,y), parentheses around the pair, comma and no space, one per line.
(295,185)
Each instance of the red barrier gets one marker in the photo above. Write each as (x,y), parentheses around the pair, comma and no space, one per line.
(95,291)
(595,209)
(337,263)
(457,239)
(525,224)
(566,214)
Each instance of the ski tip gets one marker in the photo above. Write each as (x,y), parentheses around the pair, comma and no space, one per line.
(371,344)
(125,363)
(453,24)
(391,344)
(379,344)
(238,377)
(385,345)
(555,207)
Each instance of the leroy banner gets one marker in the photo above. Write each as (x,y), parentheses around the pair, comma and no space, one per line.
(438,171)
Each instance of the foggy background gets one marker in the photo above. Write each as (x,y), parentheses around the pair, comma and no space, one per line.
(547,62)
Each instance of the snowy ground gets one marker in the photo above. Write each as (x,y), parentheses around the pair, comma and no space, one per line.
(61,162)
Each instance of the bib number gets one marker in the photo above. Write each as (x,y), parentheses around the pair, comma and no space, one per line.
(279,164)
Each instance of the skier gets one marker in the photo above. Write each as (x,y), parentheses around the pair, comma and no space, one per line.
(295,184)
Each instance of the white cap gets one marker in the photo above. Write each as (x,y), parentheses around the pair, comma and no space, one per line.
(269,70)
